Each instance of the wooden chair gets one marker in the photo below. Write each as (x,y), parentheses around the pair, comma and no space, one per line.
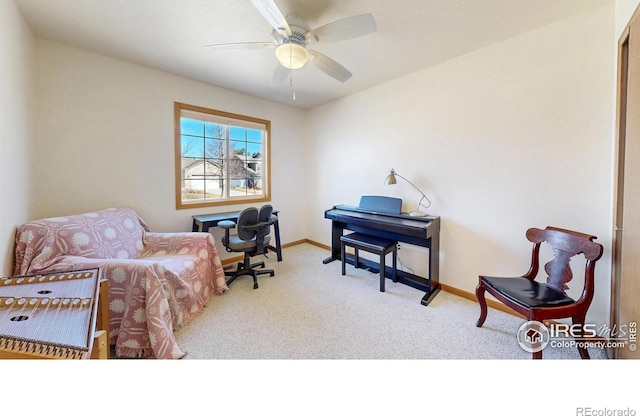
(546,301)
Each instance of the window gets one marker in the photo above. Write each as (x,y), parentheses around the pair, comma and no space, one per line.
(221,158)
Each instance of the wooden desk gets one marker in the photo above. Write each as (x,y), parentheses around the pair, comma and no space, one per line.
(202,223)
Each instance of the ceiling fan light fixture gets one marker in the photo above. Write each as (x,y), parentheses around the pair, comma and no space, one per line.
(292,55)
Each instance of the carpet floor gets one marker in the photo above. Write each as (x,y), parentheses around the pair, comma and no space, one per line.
(308,310)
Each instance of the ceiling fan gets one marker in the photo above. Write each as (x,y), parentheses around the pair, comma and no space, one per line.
(293,38)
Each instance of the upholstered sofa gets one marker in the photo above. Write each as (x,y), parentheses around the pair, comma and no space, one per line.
(158,282)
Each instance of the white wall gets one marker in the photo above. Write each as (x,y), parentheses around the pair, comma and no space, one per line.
(624,11)
(105,138)
(16,125)
(515,135)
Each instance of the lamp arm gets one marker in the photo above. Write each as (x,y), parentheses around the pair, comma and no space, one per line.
(418,189)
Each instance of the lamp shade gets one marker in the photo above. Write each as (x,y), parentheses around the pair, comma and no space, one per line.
(292,55)
(391,178)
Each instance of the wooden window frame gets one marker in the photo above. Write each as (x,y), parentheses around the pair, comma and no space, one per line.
(266,168)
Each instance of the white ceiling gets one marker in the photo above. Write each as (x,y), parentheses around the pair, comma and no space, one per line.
(170,35)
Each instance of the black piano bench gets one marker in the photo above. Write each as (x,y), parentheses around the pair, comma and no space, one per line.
(372,244)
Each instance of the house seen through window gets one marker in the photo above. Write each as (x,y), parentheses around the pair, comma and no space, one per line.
(221,158)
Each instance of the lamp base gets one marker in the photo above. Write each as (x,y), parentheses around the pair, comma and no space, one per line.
(417,214)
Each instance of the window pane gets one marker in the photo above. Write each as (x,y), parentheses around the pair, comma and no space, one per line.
(254,136)
(254,150)
(237,185)
(213,187)
(191,127)
(237,147)
(237,133)
(257,182)
(193,190)
(214,148)
(254,165)
(189,167)
(195,169)
(215,130)
(191,146)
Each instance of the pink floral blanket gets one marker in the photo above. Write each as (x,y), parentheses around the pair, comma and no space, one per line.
(158,282)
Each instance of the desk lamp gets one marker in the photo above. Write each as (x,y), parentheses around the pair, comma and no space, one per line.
(391,180)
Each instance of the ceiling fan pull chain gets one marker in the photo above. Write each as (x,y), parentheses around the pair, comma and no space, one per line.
(293,96)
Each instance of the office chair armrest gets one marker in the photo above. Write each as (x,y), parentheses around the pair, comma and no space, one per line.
(226,224)
(257,225)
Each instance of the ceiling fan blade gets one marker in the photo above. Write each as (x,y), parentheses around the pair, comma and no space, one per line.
(240,46)
(270,11)
(280,75)
(329,66)
(347,28)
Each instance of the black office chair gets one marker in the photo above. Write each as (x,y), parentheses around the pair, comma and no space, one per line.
(252,238)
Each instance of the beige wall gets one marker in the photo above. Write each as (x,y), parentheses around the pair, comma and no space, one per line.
(16,124)
(515,135)
(105,138)
(624,10)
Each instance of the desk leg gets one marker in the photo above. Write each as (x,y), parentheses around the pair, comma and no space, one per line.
(276,229)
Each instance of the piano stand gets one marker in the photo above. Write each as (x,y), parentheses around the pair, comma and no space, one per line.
(419,231)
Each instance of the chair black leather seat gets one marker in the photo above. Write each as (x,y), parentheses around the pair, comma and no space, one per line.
(528,292)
